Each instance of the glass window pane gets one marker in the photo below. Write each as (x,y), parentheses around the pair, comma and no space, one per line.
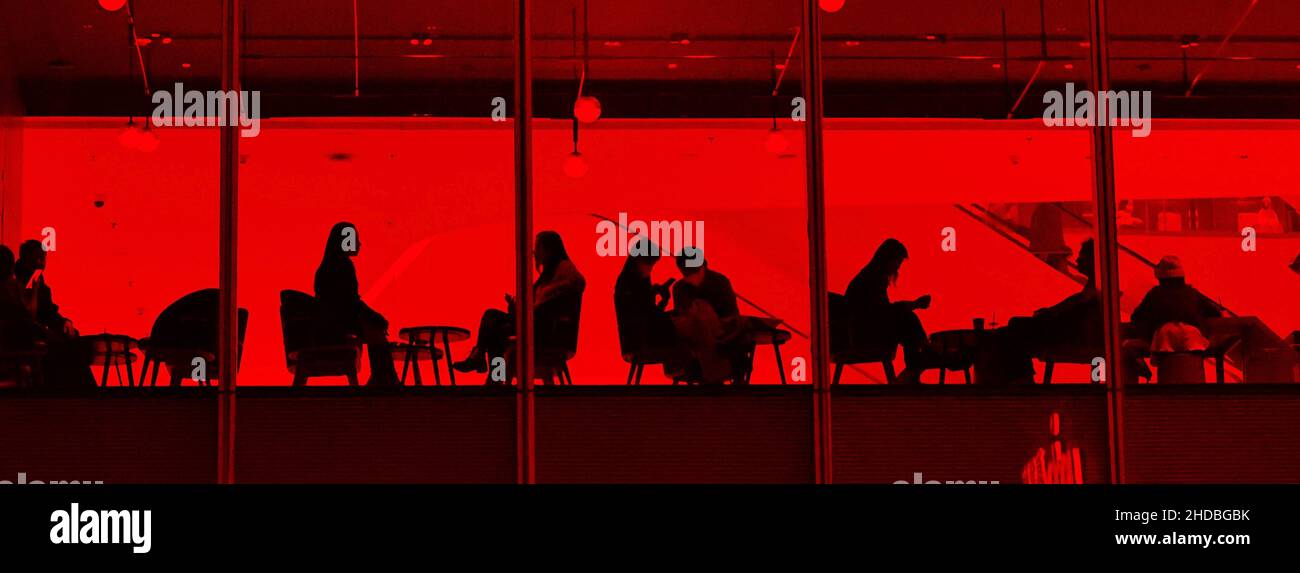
(112,214)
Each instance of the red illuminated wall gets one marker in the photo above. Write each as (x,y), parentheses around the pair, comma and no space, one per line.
(433,202)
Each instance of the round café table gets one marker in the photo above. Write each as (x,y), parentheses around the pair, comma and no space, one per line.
(957,350)
(420,337)
(112,351)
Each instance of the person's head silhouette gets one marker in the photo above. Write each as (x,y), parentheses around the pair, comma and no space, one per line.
(888,260)
(32,254)
(1086,260)
(640,257)
(548,253)
(1169,271)
(692,264)
(548,250)
(343,241)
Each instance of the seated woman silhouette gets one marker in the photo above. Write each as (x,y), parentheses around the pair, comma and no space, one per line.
(558,280)
(876,321)
(644,326)
(336,291)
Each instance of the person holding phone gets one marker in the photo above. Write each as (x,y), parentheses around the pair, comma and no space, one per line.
(558,280)
(878,321)
(644,326)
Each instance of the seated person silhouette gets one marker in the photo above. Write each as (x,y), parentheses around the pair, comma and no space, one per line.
(558,281)
(707,320)
(337,293)
(1172,314)
(1074,324)
(644,326)
(877,321)
(67,360)
(17,329)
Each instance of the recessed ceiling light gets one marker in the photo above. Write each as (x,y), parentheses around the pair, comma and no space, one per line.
(613,44)
(672,65)
(186,65)
(852,43)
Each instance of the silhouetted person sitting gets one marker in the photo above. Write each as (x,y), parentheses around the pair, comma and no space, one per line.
(644,327)
(877,321)
(558,282)
(1172,314)
(1073,325)
(707,319)
(67,362)
(17,329)
(339,298)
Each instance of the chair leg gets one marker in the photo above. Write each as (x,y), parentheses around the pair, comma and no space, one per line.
(415,365)
(631,371)
(154,381)
(568,376)
(890,376)
(1048,366)
(299,378)
(640,367)
(352,379)
(130,374)
(943,375)
(967,372)
(103,378)
(1218,369)
(839,369)
(780,364)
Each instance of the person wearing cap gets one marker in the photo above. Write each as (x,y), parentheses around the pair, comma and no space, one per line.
(1173,302)
(707,319)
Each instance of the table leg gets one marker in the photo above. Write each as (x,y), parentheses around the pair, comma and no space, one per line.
(446,349)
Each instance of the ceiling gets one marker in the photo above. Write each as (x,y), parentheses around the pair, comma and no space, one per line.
(661,57)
